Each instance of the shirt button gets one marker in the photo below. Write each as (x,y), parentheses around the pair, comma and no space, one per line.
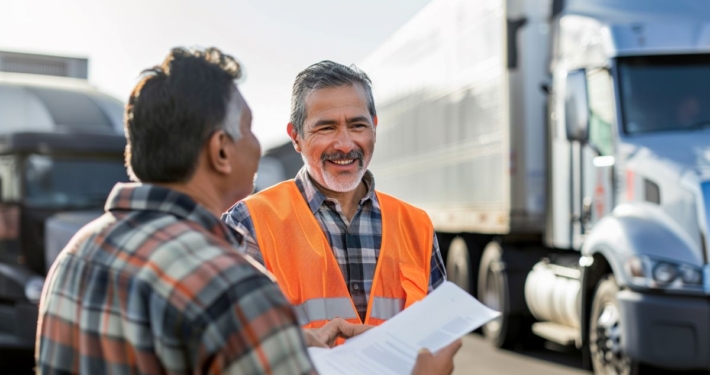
(356,286)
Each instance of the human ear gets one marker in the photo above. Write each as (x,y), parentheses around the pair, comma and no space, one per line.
(293,133)
(217,153)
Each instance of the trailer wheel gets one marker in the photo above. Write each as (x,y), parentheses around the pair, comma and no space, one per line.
(494,292)
(605,332)
(458,264)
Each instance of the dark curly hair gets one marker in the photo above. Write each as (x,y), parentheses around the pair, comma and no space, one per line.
(174,109)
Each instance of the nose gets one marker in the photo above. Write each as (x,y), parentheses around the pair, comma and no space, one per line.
(344,141)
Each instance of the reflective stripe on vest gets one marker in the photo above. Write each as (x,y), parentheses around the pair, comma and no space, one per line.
(386,308)
(317,309)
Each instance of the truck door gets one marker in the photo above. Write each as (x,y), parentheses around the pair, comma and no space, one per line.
(597,154)
(9,212)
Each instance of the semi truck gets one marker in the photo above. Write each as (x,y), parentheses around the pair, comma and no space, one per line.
(562,151)
(61,152)
(278,163)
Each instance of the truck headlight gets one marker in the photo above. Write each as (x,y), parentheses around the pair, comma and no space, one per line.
(652,273)
(33,289)
(664,272)
(691,275)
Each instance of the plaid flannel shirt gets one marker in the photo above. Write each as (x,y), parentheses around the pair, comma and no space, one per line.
(157,286)
(355,244)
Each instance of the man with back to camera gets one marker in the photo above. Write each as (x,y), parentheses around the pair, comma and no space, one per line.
(158,285)
(338,247)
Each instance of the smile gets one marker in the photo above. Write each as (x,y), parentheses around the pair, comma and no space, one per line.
(343,162)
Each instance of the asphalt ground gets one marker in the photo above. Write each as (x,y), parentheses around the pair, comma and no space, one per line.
(479,357)
(475,357)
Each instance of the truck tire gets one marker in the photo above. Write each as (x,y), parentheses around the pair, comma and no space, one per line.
(458,265)
(494,291)
(605,332)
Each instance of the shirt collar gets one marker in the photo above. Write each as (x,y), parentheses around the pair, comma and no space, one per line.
(148,197)
(315,197)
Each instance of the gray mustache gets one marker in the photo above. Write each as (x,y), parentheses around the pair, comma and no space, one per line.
(354,154)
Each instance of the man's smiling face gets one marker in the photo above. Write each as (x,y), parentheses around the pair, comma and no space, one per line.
(338,136)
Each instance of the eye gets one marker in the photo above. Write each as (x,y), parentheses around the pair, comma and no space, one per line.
(325,129)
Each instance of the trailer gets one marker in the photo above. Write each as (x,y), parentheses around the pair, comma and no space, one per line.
(562,151)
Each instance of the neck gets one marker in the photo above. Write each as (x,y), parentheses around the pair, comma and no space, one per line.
(204,194)
(348,200)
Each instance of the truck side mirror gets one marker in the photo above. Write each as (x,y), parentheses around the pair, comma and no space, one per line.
(576,106)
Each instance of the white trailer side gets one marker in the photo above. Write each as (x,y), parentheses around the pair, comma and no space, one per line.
(461,124)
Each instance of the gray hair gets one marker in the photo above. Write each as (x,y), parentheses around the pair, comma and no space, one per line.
(232,115)
(325,74)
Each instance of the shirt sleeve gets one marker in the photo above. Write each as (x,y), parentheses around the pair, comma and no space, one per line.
(252,329)
(438,270)
(239,218)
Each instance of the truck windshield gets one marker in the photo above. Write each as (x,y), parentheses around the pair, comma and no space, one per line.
(665,93)
(52,182)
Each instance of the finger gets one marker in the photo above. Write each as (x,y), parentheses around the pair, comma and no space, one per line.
(447,354)
(451,349)
(423,354)
(319,344)
(312,339)
(348,330)
(329,331)
(358,329)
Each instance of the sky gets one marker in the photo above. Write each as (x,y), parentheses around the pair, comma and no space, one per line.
(273,39)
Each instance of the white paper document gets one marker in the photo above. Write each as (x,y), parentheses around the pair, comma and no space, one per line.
(443,316)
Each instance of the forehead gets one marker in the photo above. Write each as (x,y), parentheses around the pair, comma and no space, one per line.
(333,101)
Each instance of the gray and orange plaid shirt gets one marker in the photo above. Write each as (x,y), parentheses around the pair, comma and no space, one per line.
(157,286)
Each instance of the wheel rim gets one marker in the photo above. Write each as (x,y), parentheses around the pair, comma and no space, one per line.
(459,274)
(491,298)
(605,343)
(457,265)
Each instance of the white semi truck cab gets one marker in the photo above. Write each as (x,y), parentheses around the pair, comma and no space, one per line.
(562,150)
(630,127)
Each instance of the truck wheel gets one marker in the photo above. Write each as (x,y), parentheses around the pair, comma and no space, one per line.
(605,332)
(494,292)
(458,264)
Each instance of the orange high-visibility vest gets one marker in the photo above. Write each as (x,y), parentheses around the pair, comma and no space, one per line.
(297,253)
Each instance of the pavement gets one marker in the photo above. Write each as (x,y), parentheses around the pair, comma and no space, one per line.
(477,356)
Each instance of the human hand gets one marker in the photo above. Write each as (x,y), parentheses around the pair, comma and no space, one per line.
(324,337)
(312,339)
(441,363)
